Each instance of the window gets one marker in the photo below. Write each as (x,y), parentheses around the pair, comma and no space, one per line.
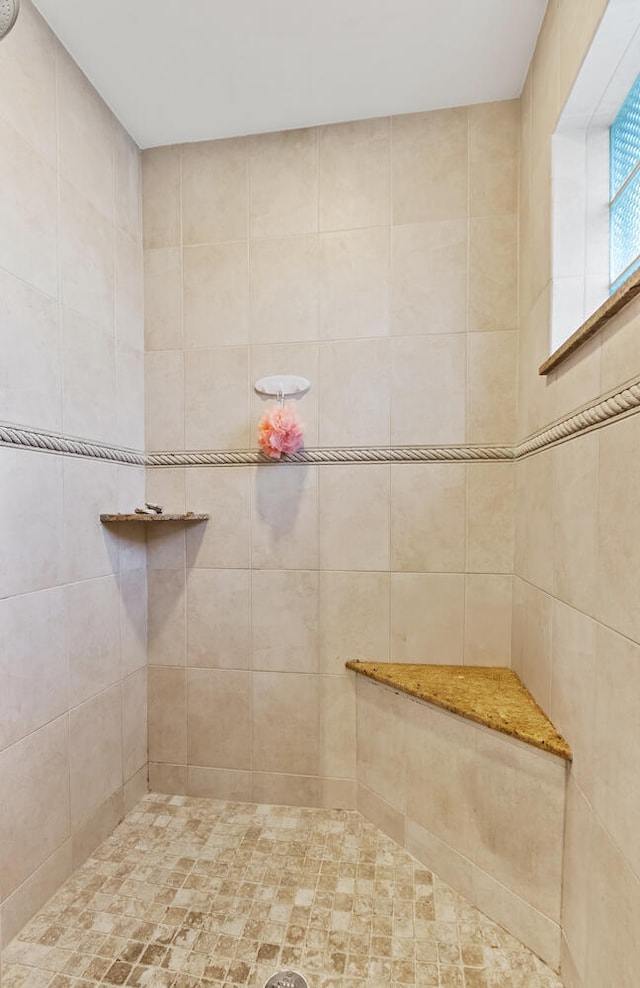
(624,204)
(596,176)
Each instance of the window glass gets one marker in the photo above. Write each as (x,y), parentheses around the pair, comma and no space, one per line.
(624,208)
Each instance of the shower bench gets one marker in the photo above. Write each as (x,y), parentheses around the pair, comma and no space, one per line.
(461,766)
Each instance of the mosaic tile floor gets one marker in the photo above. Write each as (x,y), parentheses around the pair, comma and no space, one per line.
(194,893)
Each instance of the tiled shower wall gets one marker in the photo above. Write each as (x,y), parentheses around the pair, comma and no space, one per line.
(576,617)
(378,259)
(72,593)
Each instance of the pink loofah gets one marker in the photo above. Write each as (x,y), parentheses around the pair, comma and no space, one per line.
(280,431)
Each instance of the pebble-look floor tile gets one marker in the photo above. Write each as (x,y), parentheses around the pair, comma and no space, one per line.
(195,893)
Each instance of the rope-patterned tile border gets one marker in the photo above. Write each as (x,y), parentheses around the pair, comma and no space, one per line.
(53,442)
(348,454)
(622,402)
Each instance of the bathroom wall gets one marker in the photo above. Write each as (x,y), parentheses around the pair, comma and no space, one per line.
(377,258)
(72,593)
(576,616)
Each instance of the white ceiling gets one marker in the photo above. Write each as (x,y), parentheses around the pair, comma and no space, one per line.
(190,70)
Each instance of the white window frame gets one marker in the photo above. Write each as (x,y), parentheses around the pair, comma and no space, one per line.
(580,170)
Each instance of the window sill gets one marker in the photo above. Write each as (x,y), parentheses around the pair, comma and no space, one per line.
(609,308)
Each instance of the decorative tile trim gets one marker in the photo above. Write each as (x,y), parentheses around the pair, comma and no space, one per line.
(53,442)
(622,402)
(600,412)
(350,454)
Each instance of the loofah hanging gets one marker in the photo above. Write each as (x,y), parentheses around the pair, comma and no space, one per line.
(280,431)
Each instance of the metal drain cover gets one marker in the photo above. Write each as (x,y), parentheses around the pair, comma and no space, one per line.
(286,979)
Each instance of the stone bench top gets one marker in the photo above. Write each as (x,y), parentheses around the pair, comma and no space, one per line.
(489,695)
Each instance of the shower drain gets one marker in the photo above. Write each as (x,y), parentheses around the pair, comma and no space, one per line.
(286,979)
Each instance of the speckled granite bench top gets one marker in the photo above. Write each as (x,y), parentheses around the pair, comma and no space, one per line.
(494,697)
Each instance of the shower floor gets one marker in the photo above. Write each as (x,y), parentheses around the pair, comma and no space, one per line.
(195,893)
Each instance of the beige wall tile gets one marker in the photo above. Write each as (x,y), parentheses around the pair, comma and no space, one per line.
(35,820)
(130,388)
(127,162)
(535,489)
(283,181)
(614,913)
(493,275)
(163,299)
(453,868)
(19,907)
(285,790)
(354,517)
(491,416)
(167,716)
(427,618)
(493,156)
(218,783)
(575,521)
(216,398)
(218,718)
(300,359)
(218,608)
(354,411)
(166,616)
(619,348)
(134,723)
(90,548)
(355,283)
(618,574)
(338,727)
(32,539)
(294,748)
(355,174)
(490,517)
(531,654)
(225,539)
(88,378)
(27,71)
(284,517)
(133,620)
(382,743)
(338,794)
(166,546)
(430,170)
(87,261)
(28,214)
(33,663)
(161,196)
(441,766)
(216,295)
(164,400)
(575,902)
(284,290)
(97,827)
(380,813)
(529,925)
(170,779)
(167,487)
(85,129)
(573,686)
(428,384)
(616,793)
(429,278)
(129,301)
(35,398)
(519,795)
(354,618)
(284,620)
(95,753)
(214,191)
(92,617)
(487,622)
(428,517)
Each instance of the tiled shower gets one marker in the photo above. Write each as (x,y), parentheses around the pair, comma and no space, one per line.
(403,266)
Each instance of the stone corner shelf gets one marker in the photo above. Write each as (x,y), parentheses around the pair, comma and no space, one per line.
(492,696)
(152,519)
